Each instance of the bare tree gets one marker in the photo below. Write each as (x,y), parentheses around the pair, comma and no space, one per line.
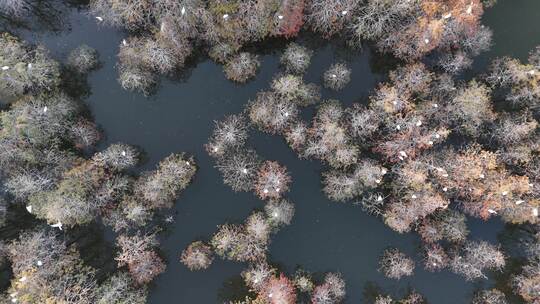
(293,89)
(118,156)
(278,290)
(527,283)
(120,288)
(394,264)
(471,108)
(242,67)
(160,188)
(270,113)
(475,258)
(279,212)
(330,17)
(136,252)
(83,59)
(337,76)
(229,134)
(435,258)
(25,68)
(272,180)
(296,58)
(239,169)
(332,290)
(257,275)
(489,296)
(197,256)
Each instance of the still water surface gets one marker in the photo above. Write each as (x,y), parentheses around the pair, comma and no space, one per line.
(324,236)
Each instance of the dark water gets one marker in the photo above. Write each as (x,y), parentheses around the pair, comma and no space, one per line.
(324,236)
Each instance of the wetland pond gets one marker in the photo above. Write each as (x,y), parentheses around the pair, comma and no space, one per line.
(324,235)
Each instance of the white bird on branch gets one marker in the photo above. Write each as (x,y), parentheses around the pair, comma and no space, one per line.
(57,225)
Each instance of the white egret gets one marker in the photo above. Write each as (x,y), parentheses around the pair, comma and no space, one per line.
(57,225)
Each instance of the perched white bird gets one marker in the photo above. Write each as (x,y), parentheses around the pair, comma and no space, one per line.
(482,175)
(39,263)
(383,171)
(265,190)
(183,11)
(447,16)
(5,68)
(45,109)
(519,202)
(124,42)
(435,105)
(344,13)
(280,17)
(430,142)
(437,136)
(398,127)
(123,153)
(57,225)
(426,41)
(225,16)
(469,9)
(535,211)
(403,153)
(29,209)
(22,279)
(244,171)
(379,198)
(492,211)
(99,18)
(29,65)
(419,123)
(162,27)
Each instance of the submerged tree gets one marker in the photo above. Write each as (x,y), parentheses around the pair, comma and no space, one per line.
(197,256)
(83,59)
(337,76)
(475,258)
(242,67)
(296,58)
(394,264)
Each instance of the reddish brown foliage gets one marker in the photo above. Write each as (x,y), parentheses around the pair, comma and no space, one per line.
(290,18)
(278,291)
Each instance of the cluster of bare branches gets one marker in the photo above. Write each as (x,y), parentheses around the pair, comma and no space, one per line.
(394,264)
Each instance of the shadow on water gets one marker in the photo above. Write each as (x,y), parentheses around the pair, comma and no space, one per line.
(324,236)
